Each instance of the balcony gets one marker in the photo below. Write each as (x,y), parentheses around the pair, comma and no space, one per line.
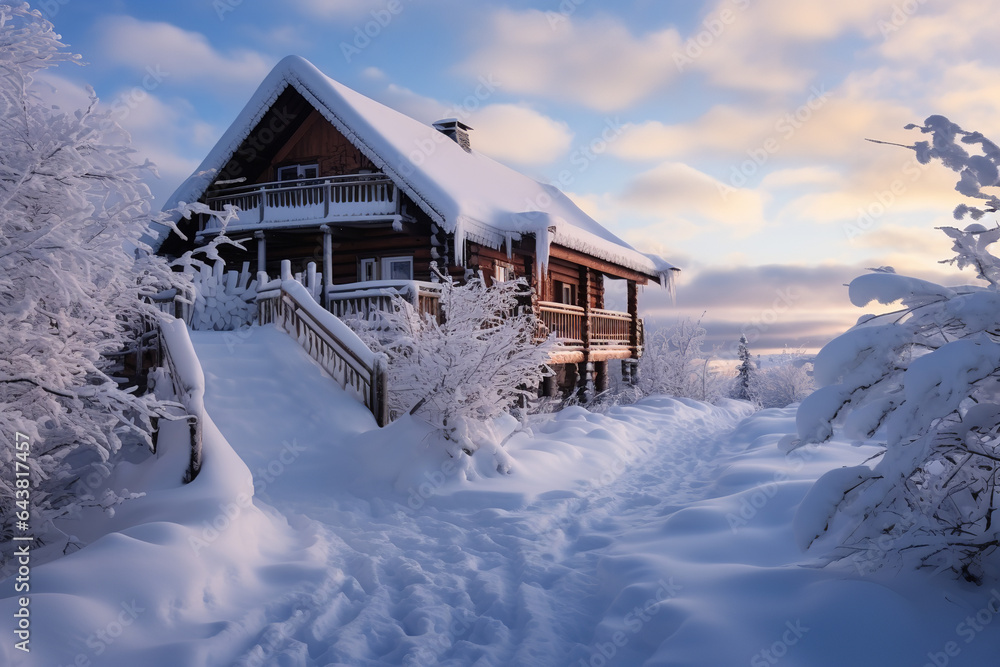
(316,201)
(602,334)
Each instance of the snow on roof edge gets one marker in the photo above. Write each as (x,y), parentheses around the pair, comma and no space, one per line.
(322,93)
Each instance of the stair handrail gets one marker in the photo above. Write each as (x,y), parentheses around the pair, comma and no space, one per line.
(330,342)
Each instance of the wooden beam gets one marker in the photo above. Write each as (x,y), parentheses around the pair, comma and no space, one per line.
(604,267)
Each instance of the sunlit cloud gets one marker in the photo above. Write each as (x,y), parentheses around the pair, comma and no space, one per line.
(596,61)
(164,52)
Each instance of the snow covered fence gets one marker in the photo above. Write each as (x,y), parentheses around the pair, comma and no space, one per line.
(337,349)
(188,381)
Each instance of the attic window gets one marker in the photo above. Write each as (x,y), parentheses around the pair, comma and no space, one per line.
(455,130)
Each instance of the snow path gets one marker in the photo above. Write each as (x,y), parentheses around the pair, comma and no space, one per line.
(461,575)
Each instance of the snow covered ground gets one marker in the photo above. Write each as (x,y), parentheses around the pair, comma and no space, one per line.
(653,534)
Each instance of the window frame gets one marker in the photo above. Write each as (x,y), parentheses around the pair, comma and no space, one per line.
(386,266)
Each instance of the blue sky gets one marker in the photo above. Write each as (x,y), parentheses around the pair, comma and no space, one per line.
(726,135)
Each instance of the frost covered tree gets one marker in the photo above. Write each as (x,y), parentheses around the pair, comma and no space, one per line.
(745,371)
(785,380)
(73,269)
(461,373)
(925,382)
(674,364)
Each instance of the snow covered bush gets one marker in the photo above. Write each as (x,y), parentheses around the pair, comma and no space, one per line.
(460,374)
(674,364)
(73,271)
(784,380)
(925,381)
(219,300)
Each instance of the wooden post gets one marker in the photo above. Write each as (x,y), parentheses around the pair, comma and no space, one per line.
(550,386)
(261,251)
(583,380)
(572,378)
(633,311)
(327,263)
(583,300)
(601,380)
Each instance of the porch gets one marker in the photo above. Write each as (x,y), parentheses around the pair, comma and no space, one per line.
(581,334)
(306,202)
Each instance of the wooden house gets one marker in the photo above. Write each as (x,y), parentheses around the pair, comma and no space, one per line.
(322,174)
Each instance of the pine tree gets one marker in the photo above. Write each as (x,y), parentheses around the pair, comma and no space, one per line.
(746,371)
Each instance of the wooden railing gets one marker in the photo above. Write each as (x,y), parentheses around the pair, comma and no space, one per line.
(179,360)
(363,299)
(564,320)
(316,199)
(341,354)
(607,329)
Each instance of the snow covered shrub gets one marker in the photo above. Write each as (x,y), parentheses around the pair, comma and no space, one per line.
(925,381)
(73,270)
(460,374)
(785,380)
(674,364)
(219,300)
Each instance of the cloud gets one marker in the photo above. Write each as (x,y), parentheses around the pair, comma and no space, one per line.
(919,34)
(677,190)
(765,45)
(519,134)
(512,133)
(819,122)
(801,177)
(596,61)
(162,51)
(719,130)
(338,10)
(775,305)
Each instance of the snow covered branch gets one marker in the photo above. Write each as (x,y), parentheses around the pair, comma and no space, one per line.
(925,382)
(73,270)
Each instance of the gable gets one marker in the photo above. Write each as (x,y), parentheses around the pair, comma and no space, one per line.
(317,141)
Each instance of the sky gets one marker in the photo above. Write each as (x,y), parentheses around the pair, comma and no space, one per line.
(727,136)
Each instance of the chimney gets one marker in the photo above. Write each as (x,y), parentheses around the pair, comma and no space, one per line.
(456,130)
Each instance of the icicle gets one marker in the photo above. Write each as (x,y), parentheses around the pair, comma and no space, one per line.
(507,245)
(668,279)
(460,241)
(543,242)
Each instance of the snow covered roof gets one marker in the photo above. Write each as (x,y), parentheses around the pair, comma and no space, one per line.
(466,193)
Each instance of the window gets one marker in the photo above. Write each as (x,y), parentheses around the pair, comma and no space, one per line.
(566,293)
(388,268)
(502,272)
(397,268)
(368,270)
(295,172)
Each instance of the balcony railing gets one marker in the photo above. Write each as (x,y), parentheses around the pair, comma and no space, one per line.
(315,200)
(609,332)
(364,298)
